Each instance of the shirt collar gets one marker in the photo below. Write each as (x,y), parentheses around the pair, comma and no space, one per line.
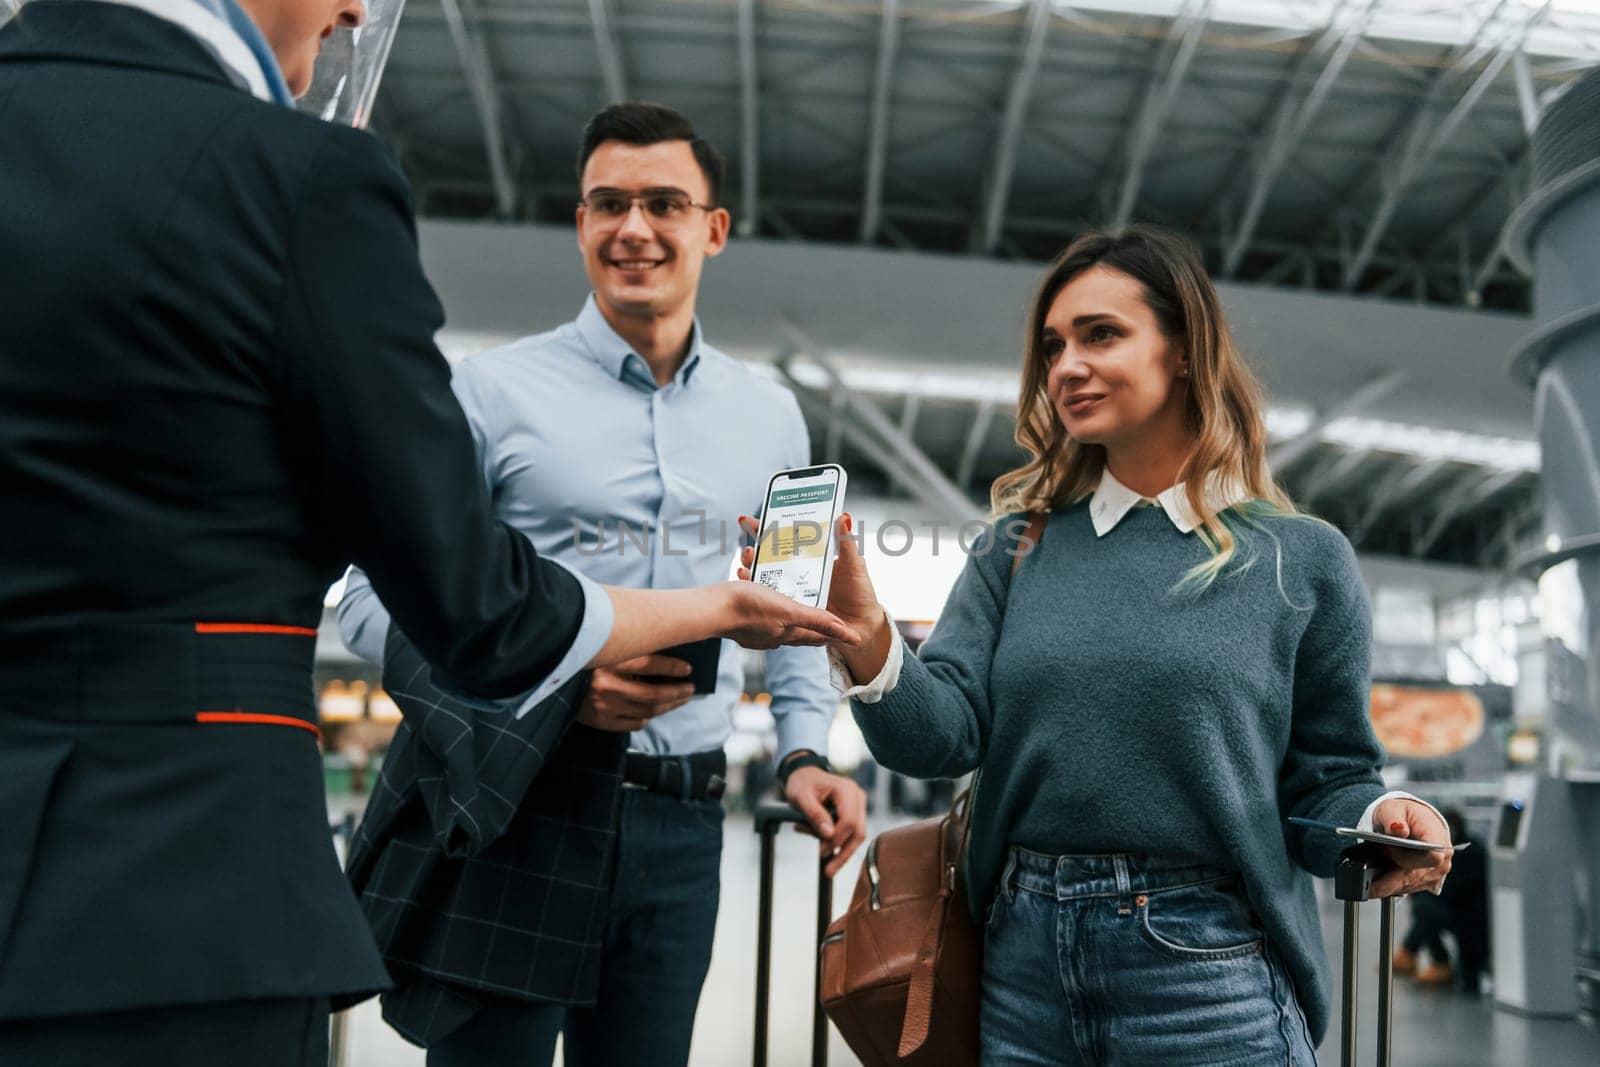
(618,358)
(1112,501)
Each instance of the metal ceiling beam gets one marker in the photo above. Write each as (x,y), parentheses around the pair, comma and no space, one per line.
(749,122)
(784,227)
(1005,157)
(1326,479)
(1521,526)
(1513,184)
(1423,140)
(1292,118)
(878,130)
(909,463)
(427,175)
(1458,503)
(699,22)
(1392,491)
(1280,270)
(976,436)
(1403,275)
(1221,129)
(1172,63)
(1281,456)
(1527,96)
(1065,225)
(1482,276)
(901,461)
(467,37)
(897,237)
(835,435)
(609,52)
(908,423)
(1510,182)
(859,439)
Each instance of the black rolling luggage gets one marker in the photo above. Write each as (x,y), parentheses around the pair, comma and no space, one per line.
(1352,883)
(770,817)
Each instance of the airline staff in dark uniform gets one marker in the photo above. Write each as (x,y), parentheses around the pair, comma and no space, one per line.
(218,387)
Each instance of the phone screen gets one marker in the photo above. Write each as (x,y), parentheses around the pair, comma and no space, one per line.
(793,554)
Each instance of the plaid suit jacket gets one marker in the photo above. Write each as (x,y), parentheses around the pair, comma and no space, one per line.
(485,857)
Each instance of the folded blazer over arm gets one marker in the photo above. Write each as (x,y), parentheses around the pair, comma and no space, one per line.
(485,858)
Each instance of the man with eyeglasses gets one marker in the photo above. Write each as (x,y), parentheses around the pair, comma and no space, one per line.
(625,446)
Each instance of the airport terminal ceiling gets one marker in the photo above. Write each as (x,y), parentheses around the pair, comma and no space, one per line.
(1364,149)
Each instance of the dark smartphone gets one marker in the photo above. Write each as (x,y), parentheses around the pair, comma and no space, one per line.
(703,658)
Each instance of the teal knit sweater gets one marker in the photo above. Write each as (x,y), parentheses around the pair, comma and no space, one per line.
(1111,712)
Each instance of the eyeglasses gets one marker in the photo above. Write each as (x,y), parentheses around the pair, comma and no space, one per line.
(664,209)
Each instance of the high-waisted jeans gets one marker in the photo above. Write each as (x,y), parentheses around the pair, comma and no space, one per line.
(1132,961)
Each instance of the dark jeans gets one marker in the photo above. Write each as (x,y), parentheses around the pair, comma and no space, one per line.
(507,1033)
(240,1033)
(658,939)
(1429,919)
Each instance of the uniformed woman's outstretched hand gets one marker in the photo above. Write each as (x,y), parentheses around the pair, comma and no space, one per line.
(851,599)
(763,618)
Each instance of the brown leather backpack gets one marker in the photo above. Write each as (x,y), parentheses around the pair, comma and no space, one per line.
(901,967)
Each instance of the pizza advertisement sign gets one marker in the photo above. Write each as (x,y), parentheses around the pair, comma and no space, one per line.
(1442,732)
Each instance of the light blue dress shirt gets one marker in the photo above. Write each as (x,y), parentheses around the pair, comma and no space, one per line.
(574,438)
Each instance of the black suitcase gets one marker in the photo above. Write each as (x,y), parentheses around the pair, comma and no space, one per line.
(770,817)
(1352,883)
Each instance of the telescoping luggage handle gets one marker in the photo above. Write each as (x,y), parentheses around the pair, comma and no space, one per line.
(339,1022)
(770,817)
(1352,883)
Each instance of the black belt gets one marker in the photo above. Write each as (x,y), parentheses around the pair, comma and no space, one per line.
(699,776)
(150,673)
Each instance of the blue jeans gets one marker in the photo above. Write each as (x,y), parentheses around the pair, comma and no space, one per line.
(1131,960)
(662,921)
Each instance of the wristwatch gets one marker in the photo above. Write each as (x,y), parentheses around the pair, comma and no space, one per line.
(795,760)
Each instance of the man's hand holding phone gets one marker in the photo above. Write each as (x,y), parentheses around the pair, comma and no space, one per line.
(626,697)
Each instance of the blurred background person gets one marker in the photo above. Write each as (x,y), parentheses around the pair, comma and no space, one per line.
(1461,909)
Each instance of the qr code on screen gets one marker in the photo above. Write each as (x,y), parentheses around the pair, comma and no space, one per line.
(768,579)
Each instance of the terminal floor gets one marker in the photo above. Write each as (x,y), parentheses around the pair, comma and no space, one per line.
(1431,1029)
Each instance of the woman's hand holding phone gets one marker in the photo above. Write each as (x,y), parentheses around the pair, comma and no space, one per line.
(851,599)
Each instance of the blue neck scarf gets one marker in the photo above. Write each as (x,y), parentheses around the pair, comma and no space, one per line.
(231,13)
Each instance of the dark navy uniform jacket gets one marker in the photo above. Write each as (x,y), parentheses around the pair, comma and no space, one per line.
(218,386)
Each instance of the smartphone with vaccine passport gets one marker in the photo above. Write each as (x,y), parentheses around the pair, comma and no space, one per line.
(795,549)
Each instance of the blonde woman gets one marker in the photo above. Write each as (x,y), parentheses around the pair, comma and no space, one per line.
(1180,665)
